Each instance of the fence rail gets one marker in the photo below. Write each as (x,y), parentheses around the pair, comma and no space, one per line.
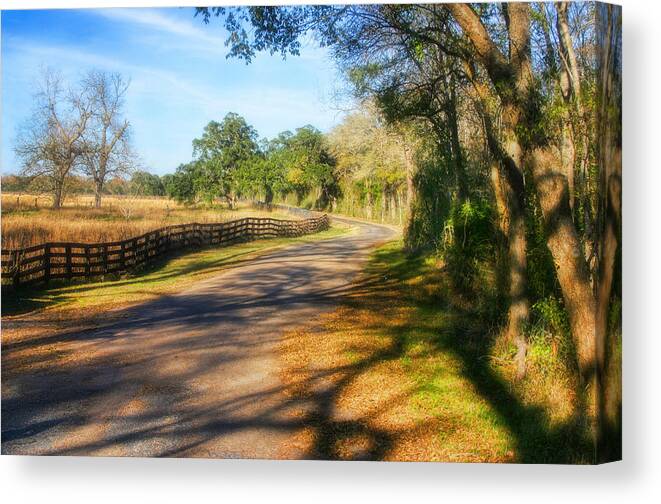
(64,260)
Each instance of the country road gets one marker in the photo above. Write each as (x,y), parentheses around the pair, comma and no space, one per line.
(193,374)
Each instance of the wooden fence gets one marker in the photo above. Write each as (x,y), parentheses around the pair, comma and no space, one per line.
(49,261)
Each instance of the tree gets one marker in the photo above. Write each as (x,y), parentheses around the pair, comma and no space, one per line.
(51,144)
(273,173)
(107,150)
(223,151)
(373,159)
(181,185)
(146,184)
(518,89)
(310,167)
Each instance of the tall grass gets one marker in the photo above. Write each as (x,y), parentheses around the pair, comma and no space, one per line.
(27,220)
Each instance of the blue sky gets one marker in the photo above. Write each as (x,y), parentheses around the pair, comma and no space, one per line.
(180,78)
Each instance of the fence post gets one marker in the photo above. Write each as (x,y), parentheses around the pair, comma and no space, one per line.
(122,257)
(69,265)
(87,262)
(16,264)
(105,259)
(46,263)
(154,243)
(134,252)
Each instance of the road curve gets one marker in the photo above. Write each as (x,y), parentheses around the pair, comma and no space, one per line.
(188,375)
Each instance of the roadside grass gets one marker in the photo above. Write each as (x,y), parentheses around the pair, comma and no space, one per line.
(409,369)
(158,278)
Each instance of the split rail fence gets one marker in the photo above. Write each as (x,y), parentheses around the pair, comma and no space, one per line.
(49,261)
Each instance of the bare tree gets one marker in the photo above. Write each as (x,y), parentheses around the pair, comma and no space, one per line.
(50,145)
(108,152)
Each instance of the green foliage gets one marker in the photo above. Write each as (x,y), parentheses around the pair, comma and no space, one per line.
(467,241)
(371,164)
(307,165)
(430,209)
(542,280)
(229,163)
(180,186)
(551,314)
(549,336)
(225,155)
(146,184)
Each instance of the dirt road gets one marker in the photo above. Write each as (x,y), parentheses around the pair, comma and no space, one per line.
(193,374)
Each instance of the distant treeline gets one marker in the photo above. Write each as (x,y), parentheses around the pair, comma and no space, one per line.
(363,167)
(139,183)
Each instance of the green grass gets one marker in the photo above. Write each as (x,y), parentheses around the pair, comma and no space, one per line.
(158,278)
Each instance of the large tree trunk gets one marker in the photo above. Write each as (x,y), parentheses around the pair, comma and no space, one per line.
(517,17)
(519,311)
(565,247)
(511,223)
(58,193)
(509,192)
(410,188)
(98,188)
(461,179)
(609,405)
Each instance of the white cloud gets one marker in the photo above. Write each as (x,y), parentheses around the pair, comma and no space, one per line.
(158,21)
(180,34)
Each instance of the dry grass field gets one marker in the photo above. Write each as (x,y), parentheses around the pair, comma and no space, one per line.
(28,220)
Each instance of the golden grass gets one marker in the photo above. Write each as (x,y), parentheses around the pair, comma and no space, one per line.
(27,220)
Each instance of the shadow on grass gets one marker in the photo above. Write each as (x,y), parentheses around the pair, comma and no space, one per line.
(466,334)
